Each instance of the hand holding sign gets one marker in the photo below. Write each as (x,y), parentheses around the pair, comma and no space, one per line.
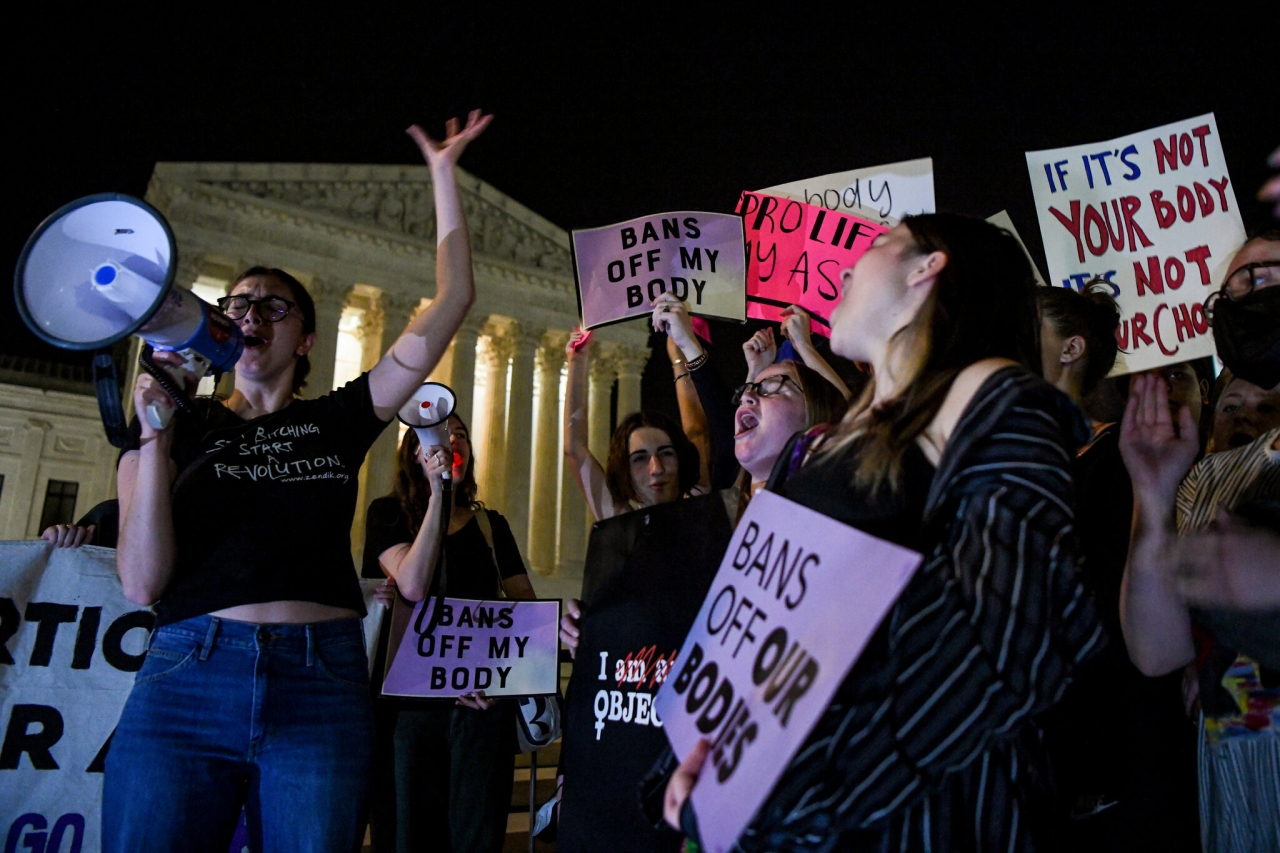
(761,351)
(795,252)
(671,317)
(795,601)
(698,257)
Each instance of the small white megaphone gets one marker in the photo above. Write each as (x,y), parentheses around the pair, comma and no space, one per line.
(100,269)
(428,412)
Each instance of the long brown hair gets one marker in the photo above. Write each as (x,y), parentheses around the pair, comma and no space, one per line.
(617,469)
(982,306)
(413,488)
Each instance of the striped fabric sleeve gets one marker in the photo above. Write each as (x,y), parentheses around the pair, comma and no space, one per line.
(984,637)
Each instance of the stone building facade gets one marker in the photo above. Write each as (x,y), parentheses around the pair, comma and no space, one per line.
(362,240)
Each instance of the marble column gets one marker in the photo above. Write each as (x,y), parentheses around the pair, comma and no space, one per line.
(603,371)
(519,451)
(600,390)
(393,314)
(26,500)
(631,362)
(330,298)
(462,372)
(571,541)
(497,348)
(541,553)
(370,332)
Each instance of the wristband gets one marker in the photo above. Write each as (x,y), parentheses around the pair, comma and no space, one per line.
(694,364)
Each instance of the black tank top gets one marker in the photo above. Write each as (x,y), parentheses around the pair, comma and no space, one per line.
(826,484)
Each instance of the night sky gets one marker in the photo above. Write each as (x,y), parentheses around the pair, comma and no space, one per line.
(601,119)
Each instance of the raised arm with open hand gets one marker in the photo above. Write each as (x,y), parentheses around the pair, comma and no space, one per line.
(1158,451)
(416,352)
(797,327)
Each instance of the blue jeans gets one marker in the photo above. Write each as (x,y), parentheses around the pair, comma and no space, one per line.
(223,714)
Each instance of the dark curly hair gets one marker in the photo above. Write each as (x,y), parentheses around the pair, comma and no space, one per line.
(1093,315)
(617,469)
(306,309)
(413,489)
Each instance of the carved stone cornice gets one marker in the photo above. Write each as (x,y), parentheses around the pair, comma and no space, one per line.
(399,305)
(372,199)
(328,293)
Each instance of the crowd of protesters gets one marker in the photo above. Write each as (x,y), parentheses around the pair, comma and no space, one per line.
(1089,657)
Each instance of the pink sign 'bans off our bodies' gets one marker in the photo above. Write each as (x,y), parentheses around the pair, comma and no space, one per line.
(796,600)
(698,257)
(504,648)
(795,252)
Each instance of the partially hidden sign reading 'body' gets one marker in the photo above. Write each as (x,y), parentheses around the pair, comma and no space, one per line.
(504,648)
(795,601)
(1155,215)
(795,252)
(696,256)
(883,194)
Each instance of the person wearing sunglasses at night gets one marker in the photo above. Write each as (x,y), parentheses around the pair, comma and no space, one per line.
(254,691)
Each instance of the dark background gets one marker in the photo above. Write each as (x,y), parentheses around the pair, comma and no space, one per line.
(601,119)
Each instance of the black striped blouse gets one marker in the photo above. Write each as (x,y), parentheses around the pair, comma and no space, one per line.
(935,747)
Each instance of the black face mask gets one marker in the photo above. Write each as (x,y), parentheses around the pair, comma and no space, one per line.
(1247,333)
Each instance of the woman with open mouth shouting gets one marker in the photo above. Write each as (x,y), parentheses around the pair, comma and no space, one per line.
(254,690)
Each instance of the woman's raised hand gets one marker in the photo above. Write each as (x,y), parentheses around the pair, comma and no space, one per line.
(761,351)
(435,462)
(1157,450)
(579,343)
(797,327)
(456,140)
(671,317)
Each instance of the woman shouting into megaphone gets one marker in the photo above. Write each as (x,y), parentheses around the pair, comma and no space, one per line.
(253,694)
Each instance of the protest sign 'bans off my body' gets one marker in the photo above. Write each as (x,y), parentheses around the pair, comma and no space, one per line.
(795,252)
(1154,213)
(698,257)
(505,648)
(795,601)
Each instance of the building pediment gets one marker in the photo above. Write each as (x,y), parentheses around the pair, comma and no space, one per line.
(389,204)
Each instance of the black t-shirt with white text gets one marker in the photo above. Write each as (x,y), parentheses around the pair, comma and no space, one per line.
(264,511)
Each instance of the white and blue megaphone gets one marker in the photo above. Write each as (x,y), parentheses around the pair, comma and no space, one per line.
(428,411)
(102,268)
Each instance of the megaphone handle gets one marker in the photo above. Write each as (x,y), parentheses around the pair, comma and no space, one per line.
(165,380)
(159,415)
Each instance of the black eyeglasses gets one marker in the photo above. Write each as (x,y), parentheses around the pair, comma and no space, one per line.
(1249,277)
(767,387)
(272,309)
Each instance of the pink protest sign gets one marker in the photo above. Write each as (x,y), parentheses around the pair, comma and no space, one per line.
(795,601)
(795,252)
(622,268)
(505,648)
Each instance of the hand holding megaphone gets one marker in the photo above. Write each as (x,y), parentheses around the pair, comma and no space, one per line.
(177,373)
(428,411)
